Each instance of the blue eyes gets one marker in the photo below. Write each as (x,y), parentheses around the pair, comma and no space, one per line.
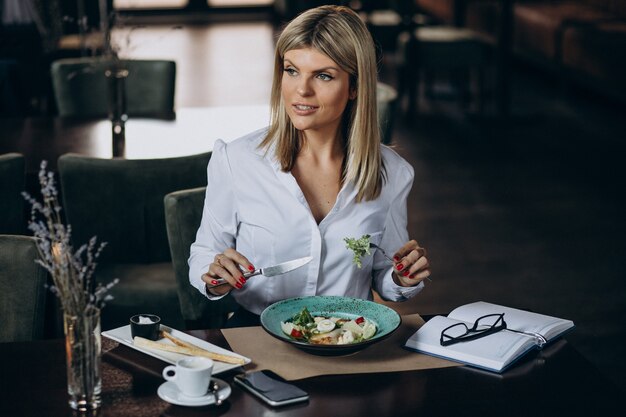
(322,75)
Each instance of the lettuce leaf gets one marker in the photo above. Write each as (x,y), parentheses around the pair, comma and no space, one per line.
(360,247)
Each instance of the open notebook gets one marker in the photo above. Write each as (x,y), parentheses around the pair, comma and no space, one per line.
(496,351)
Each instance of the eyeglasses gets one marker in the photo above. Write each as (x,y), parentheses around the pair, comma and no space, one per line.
(483,326)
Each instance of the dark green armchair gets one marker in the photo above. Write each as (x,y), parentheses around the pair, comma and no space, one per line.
(12,181)
(183,213)
(81,87)
(121,202)
(22,291)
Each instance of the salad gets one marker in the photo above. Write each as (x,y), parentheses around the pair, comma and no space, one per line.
(327,330)
(360,247)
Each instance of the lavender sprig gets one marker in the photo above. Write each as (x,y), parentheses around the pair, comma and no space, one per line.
(71,271)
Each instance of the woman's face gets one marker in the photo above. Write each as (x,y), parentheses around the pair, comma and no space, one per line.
(315,91)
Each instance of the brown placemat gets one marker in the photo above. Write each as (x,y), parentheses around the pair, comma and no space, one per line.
(134,361)
(292,363)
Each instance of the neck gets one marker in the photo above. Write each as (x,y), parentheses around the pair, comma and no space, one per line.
(320,147)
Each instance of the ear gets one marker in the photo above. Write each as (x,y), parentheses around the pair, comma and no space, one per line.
(353,93)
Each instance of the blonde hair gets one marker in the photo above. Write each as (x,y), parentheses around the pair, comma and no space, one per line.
(340,34)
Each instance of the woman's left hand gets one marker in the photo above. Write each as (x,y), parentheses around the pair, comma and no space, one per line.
(411,265)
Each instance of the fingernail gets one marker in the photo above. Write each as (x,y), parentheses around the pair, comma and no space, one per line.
(214,282)
(396,258)
(239,285)
(399,267)
(242,280)
(251,268)
(405,273)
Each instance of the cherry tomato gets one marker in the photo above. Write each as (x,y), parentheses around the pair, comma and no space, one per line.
(359,320)
(296,333)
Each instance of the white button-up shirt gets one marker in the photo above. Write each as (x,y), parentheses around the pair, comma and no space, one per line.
(253,206)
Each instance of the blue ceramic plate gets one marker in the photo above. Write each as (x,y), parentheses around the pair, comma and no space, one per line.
(385,319)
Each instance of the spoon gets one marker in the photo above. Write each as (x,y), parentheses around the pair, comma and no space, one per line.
(214,388)
(375,246)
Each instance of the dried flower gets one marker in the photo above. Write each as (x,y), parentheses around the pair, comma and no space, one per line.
(71,271)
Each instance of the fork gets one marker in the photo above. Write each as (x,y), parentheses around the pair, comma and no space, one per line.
(375,246)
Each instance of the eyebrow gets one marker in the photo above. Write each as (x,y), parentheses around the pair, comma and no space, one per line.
(315,71)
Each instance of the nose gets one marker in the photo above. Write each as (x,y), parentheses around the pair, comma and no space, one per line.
(304,88)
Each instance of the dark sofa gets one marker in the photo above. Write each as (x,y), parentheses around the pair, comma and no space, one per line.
(580,40)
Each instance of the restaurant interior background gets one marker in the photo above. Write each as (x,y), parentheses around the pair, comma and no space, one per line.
(519,197)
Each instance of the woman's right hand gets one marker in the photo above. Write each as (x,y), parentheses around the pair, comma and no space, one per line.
(227,265)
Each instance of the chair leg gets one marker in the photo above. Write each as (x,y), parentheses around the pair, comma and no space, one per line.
(462,83)
(402,84)
(429,85)
(413,84)
(480,95)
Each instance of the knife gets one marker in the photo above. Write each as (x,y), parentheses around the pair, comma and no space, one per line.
(270,271)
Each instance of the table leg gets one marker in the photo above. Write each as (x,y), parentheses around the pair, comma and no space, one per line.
(118,133)
(504,45)
(503,59)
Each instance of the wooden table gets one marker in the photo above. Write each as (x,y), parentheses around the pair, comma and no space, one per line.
(557,381)
(194,130)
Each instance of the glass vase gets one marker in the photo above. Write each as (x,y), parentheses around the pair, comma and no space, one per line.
(83,351)
(117,106)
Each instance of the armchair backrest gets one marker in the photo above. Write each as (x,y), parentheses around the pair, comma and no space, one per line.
(121,201)
(22,290)
(81,88)
(12,182)
(183,213)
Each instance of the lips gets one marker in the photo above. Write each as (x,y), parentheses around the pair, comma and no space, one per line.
(303,109)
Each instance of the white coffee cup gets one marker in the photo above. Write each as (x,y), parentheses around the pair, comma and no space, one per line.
(192,375)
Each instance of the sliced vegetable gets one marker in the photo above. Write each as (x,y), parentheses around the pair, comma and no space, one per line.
(346,338)
(286,327)
(353,327)
(303,318)
(369,330)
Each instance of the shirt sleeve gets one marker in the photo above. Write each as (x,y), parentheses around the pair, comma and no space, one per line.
(395,234)
(219,218)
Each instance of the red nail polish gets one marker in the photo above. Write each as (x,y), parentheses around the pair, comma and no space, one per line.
(214,282)
(396,258)
(239,285)
(399,267)
(242,280)
(405,273)
(251,268)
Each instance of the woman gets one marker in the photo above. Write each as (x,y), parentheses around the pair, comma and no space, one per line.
(317,175)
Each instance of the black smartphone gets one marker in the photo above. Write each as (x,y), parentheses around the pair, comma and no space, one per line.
(271,388)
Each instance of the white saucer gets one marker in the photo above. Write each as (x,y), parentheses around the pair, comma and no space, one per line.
(168,391)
